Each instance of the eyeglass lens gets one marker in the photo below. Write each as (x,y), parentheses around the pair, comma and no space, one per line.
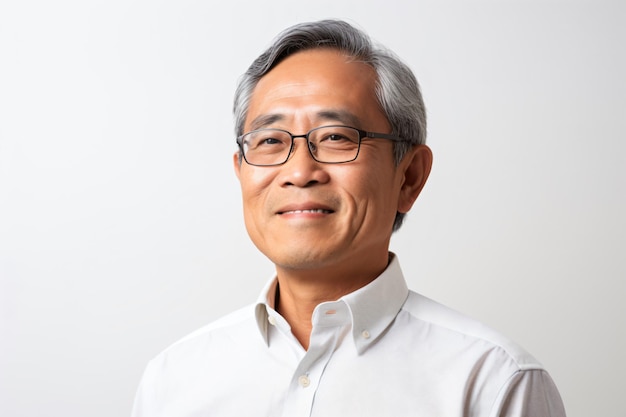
(332,144)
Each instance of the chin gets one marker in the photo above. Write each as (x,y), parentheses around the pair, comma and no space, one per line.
(304,259)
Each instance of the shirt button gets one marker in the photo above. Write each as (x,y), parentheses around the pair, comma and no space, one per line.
(272,320)
(365,334)
(304,381)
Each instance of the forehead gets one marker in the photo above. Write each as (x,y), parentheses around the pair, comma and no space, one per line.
(314,85)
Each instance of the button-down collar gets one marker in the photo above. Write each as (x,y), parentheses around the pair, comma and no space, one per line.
(371,308)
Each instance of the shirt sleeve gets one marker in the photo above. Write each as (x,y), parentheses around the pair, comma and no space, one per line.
(529,393)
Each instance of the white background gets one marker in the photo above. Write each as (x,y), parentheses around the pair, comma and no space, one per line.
(120,217)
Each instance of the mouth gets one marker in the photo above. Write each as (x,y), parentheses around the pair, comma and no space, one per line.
(309,208)
(303,211)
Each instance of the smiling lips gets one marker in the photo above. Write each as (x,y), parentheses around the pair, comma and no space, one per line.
(321,211)
(306,208)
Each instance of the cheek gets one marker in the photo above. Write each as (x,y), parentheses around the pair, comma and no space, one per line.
(380,194)
(254,184)
(371,195)
(253,194)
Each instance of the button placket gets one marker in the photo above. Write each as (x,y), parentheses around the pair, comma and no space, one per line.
(327,329)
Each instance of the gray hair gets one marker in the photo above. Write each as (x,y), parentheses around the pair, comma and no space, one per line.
(397,88)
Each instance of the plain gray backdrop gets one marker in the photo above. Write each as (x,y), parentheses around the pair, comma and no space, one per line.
(120,217)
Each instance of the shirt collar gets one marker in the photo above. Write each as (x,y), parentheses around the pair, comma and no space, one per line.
(372,307)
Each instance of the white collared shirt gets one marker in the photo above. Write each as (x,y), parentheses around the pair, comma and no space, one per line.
(380,351)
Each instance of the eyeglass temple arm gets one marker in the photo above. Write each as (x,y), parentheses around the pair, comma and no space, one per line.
(374,135)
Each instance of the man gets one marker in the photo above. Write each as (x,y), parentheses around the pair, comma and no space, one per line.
(331,156)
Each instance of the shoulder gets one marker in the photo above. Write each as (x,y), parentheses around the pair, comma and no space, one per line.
(230,328)
(458,324)
(201,362)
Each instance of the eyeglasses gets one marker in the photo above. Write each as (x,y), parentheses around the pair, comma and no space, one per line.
(326,144)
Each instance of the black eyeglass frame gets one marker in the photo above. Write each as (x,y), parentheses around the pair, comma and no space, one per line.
(362,135)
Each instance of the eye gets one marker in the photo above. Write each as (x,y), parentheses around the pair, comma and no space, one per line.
(334,137)
(269,141)
(338,136)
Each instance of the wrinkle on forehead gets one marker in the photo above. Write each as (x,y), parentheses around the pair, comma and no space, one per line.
(335,116)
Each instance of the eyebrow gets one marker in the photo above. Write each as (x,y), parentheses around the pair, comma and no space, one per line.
(265,120)
(341,116)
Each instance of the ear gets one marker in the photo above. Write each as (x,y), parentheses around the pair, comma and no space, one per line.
(416,166)
(237,164)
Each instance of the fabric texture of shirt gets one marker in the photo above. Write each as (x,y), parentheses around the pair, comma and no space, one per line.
(382,350)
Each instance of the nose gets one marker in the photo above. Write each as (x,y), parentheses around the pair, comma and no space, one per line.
(301,170)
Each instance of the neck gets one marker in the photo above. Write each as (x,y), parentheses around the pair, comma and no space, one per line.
(300,291)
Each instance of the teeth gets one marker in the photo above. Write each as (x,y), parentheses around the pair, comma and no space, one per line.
(308,211)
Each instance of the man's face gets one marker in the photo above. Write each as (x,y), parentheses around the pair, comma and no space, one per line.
(310,215)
